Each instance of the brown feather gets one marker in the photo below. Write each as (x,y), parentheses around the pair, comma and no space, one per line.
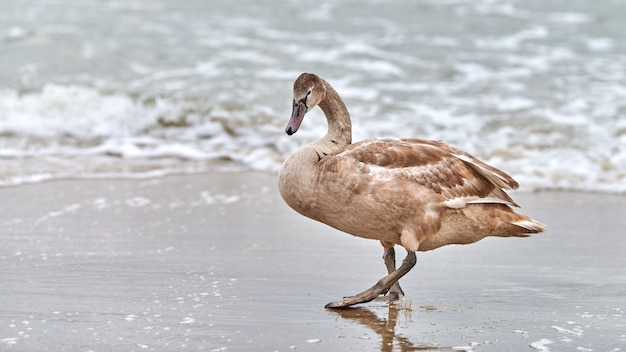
(443,169)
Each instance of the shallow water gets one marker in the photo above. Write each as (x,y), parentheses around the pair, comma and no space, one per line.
(218,262)
(125,88)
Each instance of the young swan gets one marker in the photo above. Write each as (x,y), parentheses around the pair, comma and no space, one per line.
(415,193)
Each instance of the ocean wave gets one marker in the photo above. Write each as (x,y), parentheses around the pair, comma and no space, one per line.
(142,90)
(70,131)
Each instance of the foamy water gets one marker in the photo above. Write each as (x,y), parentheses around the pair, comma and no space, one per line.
(136,89)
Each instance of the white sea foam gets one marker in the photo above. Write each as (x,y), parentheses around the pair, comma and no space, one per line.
(79,123)
(541,345)
(59,110)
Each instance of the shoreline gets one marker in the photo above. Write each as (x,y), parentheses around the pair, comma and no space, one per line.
(216,170)
(218,261)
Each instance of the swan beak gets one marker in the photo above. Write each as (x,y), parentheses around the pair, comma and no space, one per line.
(297,115)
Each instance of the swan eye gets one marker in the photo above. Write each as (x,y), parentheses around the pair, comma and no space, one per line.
(303,100)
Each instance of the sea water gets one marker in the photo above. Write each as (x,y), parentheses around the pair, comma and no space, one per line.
(128,88)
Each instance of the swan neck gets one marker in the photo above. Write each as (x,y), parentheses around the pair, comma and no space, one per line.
(339,125)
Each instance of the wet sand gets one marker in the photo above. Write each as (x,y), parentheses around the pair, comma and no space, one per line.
(218,262)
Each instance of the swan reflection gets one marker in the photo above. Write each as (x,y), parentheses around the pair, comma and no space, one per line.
(385,327)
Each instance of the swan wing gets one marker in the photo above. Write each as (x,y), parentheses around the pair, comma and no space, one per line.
(451,175)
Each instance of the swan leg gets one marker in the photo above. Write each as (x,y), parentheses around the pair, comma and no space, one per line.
(389,256)
(381,287)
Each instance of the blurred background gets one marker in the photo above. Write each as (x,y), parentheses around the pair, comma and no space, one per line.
(131,88)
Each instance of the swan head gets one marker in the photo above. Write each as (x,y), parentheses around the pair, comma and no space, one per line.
(308,91)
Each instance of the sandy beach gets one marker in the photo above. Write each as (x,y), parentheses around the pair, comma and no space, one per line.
(216,262)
